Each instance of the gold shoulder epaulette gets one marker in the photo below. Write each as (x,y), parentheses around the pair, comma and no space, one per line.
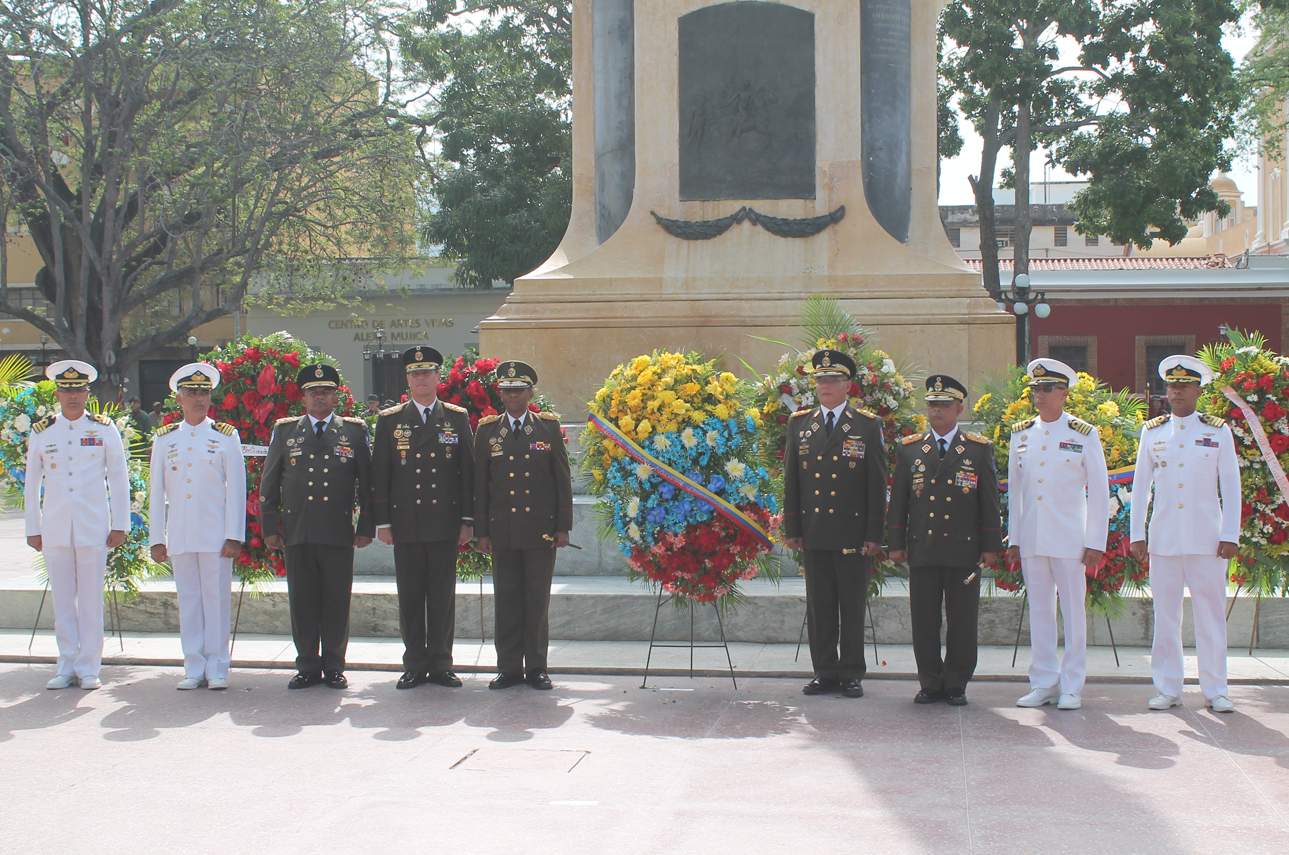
(1080,426)
(1155,422)
(454,408)
(165,429)
(225,428)
(487,420)
(910,438)
(100,418)
(286,421)
(869,413)
(802,412)
(550,417)
(975,437)
(1211,421)
(397,408)
(1023,425)
(43,423)
(354,420)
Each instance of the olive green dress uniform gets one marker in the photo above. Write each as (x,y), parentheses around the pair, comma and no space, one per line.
(523,494)
(423,487)
(944,512)
(835,501)
(307,495)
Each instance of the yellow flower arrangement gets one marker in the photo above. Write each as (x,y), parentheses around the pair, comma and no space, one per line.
(664,392)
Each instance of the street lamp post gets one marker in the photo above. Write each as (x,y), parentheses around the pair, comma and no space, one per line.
(192,348)
(1020,298)
(374,362)
(44,340)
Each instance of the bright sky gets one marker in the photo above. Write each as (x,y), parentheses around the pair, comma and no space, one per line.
(955,190)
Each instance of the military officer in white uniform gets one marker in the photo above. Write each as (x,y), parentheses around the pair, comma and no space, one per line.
(79,459)
(1059,501)
(1190,460)
(198,520)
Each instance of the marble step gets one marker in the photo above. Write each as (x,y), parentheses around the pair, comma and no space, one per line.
(615,609)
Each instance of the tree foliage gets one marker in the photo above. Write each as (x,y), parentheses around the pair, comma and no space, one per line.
(1143,111)
(1264,81)
(500,108)
(163,155)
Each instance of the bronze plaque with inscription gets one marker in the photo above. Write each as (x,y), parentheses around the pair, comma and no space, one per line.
(747,102)
(886,99)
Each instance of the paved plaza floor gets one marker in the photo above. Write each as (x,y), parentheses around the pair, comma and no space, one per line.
(600,765)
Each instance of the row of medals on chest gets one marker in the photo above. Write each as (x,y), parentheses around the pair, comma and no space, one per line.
(295,447)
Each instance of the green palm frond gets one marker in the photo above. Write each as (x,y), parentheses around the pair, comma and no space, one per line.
(16,368)
(822,316)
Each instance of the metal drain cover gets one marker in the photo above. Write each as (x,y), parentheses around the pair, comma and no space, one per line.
(520,760)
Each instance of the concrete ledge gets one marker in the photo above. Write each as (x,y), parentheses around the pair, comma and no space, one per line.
(614,609)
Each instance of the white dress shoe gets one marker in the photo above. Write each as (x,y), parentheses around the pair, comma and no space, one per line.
(217,683)
(1039,697)
(90,681)
(190,683)
(1163,702)
(1069,702)
(1220,704)
(62,681)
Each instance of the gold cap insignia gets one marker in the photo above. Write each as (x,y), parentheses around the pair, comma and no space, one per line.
(939,386)
(318,371)
(511,372)
(1039,371)
(827,361)
(71,374)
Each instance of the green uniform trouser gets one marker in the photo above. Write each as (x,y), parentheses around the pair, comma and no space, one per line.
(521,584)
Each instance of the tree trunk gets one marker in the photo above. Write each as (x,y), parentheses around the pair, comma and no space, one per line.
(983,187)
(1020,160)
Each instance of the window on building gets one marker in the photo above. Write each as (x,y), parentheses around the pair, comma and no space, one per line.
(1073,355)
(1156,353)
(1092,240)
(955,237)
(28,298)
(1005,237)
(1060,236)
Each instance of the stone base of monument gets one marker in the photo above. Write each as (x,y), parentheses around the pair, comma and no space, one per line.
(614,609)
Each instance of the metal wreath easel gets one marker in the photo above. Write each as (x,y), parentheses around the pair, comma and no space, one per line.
(871,626)
(1024,604)
(114,625)
(692,644)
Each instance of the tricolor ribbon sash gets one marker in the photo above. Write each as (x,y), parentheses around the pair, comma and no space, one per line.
(693,488)
(1260,436)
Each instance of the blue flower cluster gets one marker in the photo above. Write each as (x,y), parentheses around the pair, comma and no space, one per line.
(718,454)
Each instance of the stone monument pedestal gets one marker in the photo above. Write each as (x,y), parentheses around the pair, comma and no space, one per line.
(704,133)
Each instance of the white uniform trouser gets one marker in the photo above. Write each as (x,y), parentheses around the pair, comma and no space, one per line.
(1205,575)
(204,586)
(1045,580)
(76,581)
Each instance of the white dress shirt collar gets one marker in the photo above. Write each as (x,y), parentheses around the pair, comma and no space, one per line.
(948,437)
(836,411)
(313,423)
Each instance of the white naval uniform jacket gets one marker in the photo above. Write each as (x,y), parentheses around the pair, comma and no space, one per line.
(1058,493)
(1191,462)
(198,487)
(86,486)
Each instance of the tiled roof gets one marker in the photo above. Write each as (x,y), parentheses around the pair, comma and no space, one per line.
(1203,262)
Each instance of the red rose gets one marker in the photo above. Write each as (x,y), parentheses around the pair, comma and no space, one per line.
(785,389)
(1279,536)
(280,410)
(250,399)
(291,391)
(801,370)
(1279,443)
(292,359)
(253,354)
(854,390)
(1267,381)
(782,419)
(1272,411)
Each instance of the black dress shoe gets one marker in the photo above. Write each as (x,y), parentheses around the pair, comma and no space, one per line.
(852,688)
(538,680)
(303,681)
(335,679)
(956,697)
(820,686)
(409,680)
(927,696)
(445,678)
(505,681)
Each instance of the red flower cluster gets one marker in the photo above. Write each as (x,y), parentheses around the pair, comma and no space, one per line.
(257,387)
(704,561)
(472,383)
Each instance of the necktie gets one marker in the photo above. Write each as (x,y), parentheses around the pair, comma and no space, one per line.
(828,423)
(942,449)
(425,415)
(515,425)
(320,426)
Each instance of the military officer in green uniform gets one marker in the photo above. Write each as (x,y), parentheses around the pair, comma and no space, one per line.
(423,504)
(834,501)
(523,505)
(944,522)
(318,468)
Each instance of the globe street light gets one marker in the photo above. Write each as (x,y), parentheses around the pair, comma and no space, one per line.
(192,348)
(1020,299)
